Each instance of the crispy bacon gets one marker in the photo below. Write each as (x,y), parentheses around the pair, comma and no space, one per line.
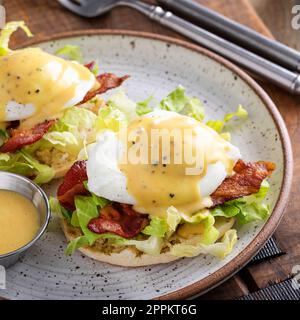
(119,219)
(73,185)
(246,180)
(20,138)
(90,65)
(106,81)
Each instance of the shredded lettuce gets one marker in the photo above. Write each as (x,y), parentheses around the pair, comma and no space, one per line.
(110,118)
(86,209)
(174,215)
(246,209)
(143,107)
(3,133)
(179,102)
(58,210)
(23,163)
(15,163)
(121,102)
(158,227)
(219,249)
(218,125)
(4,157)
(6,33)
(72,132)
(152,245)
(44,173)
(173,219)
(76,244)
(70,52)
(74,220)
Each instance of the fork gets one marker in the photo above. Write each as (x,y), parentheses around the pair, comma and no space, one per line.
(262,67)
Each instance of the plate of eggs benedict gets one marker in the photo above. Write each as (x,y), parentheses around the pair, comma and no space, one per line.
(160,186)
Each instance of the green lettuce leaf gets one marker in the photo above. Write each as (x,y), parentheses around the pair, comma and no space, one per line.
(71,133)
(173,219)
(252,212)
(143,107)
(218,125)
(246,209)
(76,244)
(4,133)
(158,227)
(82,241)
(6,33)
(174,215)
(219,249)
(179,102)
(70,52)
(152,245)
(86,209)
(15,164)
(74,220)
(121,102)
(44,173)
(110,118)
(58,210)
(4,157)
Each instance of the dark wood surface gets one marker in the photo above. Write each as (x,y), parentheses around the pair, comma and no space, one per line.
(47,17)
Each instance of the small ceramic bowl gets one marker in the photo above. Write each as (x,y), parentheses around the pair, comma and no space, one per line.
(36,195)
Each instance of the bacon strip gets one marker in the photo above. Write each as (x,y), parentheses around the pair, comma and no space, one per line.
(90,65)
(21,138)
(119,219)
(107,82)
(247,180)
(73,185)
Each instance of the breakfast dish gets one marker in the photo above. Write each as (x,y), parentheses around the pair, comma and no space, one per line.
(144,183)
(159,184)
(50,274)
(47,107)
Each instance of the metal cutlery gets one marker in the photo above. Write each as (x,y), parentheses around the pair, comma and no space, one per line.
(236,32)
(262,67)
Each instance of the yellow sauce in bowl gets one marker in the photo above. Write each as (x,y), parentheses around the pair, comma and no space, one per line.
(19,221)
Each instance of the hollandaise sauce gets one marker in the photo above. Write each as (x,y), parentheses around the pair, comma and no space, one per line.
(36,86)
(167,176)
(19,221)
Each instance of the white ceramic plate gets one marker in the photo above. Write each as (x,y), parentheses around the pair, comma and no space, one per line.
(156,66)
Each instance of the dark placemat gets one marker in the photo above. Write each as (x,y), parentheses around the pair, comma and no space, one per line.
(270,250)
(281,291)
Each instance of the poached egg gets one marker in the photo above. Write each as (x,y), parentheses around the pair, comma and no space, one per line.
(160,160)
(36,86)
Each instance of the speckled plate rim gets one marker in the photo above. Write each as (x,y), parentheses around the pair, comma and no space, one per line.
(233,266)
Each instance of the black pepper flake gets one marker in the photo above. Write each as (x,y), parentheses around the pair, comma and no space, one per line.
(18,77)
(172,195)
(164,165)
(37,90)
(29,92)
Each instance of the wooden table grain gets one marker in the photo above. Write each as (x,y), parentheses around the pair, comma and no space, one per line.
(270,17)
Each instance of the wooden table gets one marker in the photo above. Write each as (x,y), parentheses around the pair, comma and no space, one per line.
(47,17)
